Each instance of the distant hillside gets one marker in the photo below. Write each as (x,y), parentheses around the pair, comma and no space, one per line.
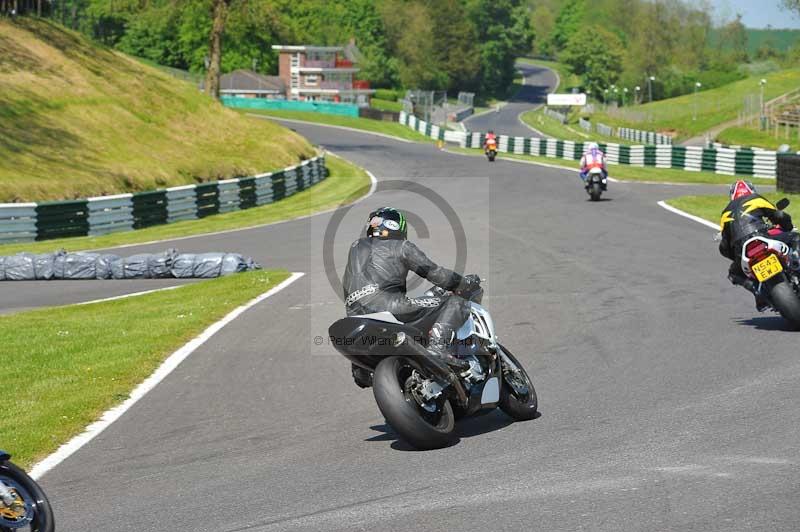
(779,39)
(78,119)
(690,114)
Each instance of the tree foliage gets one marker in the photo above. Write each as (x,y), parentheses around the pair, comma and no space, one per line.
(429,44)
(673,40)
(596,56)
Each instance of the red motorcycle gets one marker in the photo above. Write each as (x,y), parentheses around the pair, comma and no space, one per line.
(490,149)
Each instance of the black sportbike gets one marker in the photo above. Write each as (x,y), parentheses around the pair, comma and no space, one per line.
(420,395)
(23,504)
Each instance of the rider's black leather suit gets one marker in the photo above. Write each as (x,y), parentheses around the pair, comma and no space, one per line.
(375,281)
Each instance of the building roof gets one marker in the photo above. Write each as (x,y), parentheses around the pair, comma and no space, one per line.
(249,81)
(306,48)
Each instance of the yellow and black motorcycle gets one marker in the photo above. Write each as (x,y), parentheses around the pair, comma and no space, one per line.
(23,504)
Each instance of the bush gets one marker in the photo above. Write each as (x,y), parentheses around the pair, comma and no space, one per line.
(391,95)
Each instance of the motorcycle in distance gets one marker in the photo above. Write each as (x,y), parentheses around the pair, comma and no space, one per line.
(596,183)
(491,149)
(775,268)
(23,504)
(420,395)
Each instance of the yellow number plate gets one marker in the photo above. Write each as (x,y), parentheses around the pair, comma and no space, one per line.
(767,268)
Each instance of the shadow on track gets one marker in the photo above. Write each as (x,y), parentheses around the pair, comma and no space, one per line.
(600,200)
(466,428)
(768,323)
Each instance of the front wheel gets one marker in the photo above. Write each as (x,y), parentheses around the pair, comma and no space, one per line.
(786,301)
(517,395)
(423,425)
(31,510)
(595,189)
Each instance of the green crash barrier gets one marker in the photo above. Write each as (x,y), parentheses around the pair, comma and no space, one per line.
(149,208)
(60,219)
(207,198)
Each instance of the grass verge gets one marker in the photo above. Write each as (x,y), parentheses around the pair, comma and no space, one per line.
(746,136)
(394,129)
(62,368)
(386,105)
(555,129)
(629,173)
(710,206)
(345,184)
(79,119)
(690,115)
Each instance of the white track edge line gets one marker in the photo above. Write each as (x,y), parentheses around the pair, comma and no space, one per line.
(132,294)
(166,367)
(685,214)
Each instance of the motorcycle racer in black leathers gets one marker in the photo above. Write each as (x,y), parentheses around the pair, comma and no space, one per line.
(375,281)
(744,217)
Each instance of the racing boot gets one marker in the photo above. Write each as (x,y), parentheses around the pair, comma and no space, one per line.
(440,340)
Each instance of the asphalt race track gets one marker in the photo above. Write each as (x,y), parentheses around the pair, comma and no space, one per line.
(539,81)
(667,402)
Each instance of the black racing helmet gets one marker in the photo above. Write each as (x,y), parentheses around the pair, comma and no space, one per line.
(387,223)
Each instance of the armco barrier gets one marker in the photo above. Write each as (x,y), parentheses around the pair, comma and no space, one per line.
(647,137)
(757,163)
(22,222)
(761,163)
(17,222)
(606,131)
(108,214)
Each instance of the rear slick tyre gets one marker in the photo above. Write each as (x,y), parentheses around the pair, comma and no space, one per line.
(786,301)
(402,411)
(594,191)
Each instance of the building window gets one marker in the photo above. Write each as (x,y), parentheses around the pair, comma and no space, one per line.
(311,79)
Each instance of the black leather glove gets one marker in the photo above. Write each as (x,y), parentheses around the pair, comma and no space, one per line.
(468,283)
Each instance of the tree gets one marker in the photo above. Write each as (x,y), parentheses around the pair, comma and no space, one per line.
(411,31)
(568,23)
(733,36)
(596,56)
(219,12)
(791,5)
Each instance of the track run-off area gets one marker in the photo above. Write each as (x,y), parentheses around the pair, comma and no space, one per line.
(667,402)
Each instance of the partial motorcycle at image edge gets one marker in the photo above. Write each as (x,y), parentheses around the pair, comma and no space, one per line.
(421,396)
(23,504)
(774,266)
(596,183)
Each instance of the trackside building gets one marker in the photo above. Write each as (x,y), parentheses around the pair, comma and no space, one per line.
(322,73)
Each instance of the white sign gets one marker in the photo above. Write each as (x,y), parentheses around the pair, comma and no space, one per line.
(566,99)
